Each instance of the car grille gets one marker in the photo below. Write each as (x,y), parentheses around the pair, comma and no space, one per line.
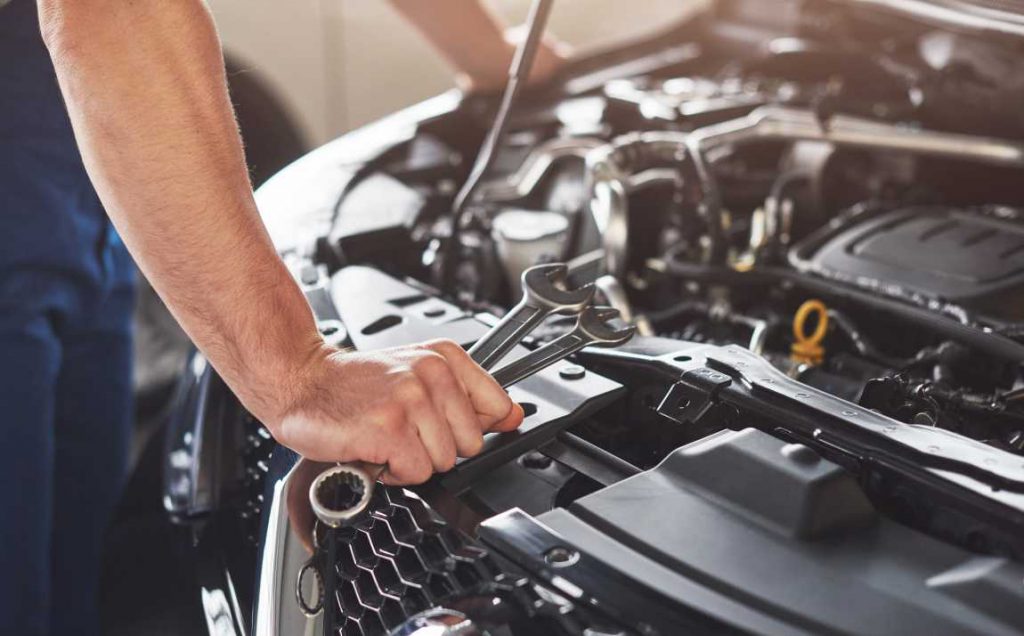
(401,559)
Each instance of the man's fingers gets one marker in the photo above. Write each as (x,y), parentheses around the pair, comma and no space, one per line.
(393,440)
(454,405)
(426,405)
(409,462)
(489,400)
(510,422)
(420,416)
(434,433)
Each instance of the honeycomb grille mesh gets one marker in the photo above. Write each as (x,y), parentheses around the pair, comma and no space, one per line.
(401,559)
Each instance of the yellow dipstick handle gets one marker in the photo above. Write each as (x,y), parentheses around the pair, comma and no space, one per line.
(807,348)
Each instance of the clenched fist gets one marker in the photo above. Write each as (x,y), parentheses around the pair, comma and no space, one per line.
(413,408)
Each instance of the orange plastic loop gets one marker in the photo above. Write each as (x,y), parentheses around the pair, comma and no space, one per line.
(807,348)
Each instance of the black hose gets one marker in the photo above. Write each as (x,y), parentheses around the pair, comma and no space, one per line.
(864,346)
(989,343)
(672,312)
(710,207)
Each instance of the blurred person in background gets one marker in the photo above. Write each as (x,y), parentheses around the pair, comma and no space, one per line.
(151,144)
(476,45)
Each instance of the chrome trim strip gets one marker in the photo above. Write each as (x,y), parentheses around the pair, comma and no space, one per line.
(953,14)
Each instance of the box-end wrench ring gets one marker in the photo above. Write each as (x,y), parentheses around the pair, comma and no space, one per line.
(342,492)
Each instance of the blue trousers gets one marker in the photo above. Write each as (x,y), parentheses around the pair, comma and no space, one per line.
(65,418)
(65,351)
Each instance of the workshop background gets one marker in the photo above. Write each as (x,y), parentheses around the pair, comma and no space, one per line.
(301,73)
(338,64)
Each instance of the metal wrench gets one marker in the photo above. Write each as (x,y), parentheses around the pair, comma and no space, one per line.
(591,330)
(543,296)
(342,492)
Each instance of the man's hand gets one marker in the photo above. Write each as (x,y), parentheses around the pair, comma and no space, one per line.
(144,85)
(412,408)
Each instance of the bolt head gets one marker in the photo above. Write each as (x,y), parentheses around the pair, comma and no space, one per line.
(561,557)
(572,372)
(536,460)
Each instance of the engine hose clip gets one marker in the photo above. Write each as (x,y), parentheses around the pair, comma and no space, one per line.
(807,347)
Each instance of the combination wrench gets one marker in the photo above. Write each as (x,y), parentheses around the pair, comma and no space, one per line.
(544,294)
(591,330)
(342,492)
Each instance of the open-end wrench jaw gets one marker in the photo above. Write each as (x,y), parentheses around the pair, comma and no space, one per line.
(594,322)
(545,286)
(544,294)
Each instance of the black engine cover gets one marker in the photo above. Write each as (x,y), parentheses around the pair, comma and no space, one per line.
(973,258)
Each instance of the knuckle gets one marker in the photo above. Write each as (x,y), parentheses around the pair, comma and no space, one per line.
(448,346)
(447,463)
(443,378)
(430,362)
(389,416)
(473,444)
(498,406)
(399,468)
(410,390)
(283,433)
(439,343)
(422,473)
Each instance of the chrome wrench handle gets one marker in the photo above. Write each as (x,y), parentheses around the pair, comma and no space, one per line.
(505,335)
(591,330)
(538,359)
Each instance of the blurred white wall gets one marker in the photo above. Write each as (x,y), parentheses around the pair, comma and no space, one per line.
(339,64)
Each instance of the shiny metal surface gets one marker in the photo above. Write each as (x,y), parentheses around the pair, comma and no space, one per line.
(615,169)
(287,546)
(358,478)
(536,166)
(591,329)
(439,622)
(794,124)
(544,294)
(615,296)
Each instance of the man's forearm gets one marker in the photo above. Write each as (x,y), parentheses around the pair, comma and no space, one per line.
(144,85)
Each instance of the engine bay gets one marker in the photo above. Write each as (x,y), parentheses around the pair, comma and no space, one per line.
(813,217)
(753,202)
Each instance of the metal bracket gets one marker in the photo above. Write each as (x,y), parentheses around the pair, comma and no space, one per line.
(696,393)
